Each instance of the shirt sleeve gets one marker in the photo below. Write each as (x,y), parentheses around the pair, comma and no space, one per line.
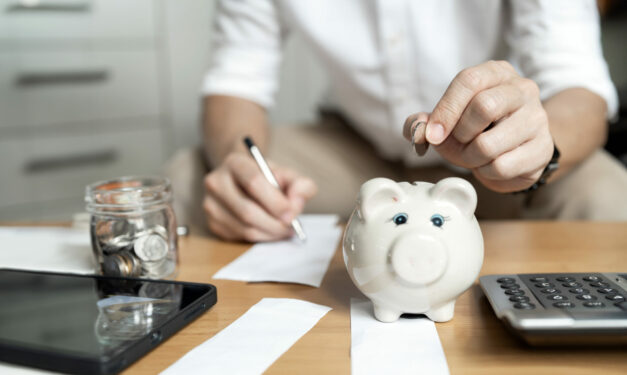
(557,43)
(246,54)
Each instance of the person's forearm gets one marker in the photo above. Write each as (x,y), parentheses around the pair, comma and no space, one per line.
(227,119)
(577,120)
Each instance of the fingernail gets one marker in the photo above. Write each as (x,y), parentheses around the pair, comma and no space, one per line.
(287,217)
(435,133)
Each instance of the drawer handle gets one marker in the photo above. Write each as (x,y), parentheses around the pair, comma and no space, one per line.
(48,6)
(45,78)
(71,161)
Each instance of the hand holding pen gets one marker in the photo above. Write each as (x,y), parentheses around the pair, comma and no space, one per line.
(240,203)
(267,173)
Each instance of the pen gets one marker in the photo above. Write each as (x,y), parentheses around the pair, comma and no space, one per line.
(265,169)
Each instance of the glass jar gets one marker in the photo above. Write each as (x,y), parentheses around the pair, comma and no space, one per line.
(133,227)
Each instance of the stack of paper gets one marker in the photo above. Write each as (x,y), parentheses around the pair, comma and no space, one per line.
(289,261)
(46,249)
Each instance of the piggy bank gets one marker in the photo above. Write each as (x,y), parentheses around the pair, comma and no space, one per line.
(414,248)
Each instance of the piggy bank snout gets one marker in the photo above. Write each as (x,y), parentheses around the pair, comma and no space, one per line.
(417,259)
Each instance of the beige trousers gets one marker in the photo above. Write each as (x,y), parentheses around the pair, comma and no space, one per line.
(339,161)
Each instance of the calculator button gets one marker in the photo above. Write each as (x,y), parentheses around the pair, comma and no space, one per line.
(564,304)
(539,279)
(592,278)
(514,292)
(587,297)
(557,297)
(510,286)
(615,297)
(550,290)
(524,305)
(600,284)
(579,291)
(606,290)
(565,278)
(505,280)
(572,284)
(545,285)
(594,304)
(519,299)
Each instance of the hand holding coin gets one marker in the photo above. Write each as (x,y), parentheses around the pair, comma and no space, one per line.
(414,131)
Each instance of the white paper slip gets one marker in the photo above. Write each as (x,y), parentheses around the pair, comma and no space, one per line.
(46,249)
(289,261)
(407,346)
(254,341)
(10,369)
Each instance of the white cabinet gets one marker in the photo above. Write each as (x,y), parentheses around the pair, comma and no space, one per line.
(81,100)
(57,87)
(63,20)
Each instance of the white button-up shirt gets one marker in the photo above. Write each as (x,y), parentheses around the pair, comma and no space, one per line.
(387,59)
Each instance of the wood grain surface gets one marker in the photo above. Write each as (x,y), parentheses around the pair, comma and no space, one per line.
(475,341)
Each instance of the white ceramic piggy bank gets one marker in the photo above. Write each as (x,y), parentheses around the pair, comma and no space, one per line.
(414,248)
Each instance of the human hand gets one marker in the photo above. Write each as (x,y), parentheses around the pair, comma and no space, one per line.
(491,121)
(240,204)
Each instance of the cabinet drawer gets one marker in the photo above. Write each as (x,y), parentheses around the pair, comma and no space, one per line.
(49,168)
(76,19)
(58,87)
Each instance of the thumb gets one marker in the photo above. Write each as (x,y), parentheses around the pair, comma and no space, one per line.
(445,115)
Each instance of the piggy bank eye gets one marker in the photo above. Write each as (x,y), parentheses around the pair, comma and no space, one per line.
(437,220)
(399,219)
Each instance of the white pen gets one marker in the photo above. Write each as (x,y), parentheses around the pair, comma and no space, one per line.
(265,169)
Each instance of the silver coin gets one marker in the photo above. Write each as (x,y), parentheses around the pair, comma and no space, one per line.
(159,269)
(151,247)
(160,230)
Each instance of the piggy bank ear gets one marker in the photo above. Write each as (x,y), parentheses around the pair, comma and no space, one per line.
(457,191)
(377,194)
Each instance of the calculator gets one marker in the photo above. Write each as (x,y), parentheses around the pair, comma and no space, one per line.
(561,308)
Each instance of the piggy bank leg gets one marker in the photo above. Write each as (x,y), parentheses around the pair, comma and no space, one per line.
(442,313)
(386,315)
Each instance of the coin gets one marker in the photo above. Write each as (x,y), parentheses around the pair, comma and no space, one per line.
(159,269)
(121,264)
(151,246)
(421,148)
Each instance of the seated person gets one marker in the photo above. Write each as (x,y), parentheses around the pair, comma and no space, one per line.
(494,87)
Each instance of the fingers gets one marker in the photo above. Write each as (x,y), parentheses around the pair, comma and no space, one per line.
(224,224)
(505,136)
(224,196)
(248,176)
(460,92)
(242,205)
(485,108)
(519,168)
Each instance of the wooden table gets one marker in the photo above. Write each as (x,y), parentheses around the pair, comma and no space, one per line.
(475,342)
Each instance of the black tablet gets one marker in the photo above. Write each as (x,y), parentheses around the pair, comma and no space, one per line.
(91,324)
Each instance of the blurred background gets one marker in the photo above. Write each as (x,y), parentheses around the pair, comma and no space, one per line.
(94,89)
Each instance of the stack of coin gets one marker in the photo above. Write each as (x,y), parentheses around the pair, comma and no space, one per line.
(129,249)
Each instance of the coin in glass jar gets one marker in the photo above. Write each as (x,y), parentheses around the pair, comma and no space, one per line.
(121,264)
(151,247)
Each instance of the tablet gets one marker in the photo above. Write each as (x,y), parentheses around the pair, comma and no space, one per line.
(84,324)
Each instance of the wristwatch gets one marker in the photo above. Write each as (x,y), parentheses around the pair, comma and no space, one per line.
(548,170)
